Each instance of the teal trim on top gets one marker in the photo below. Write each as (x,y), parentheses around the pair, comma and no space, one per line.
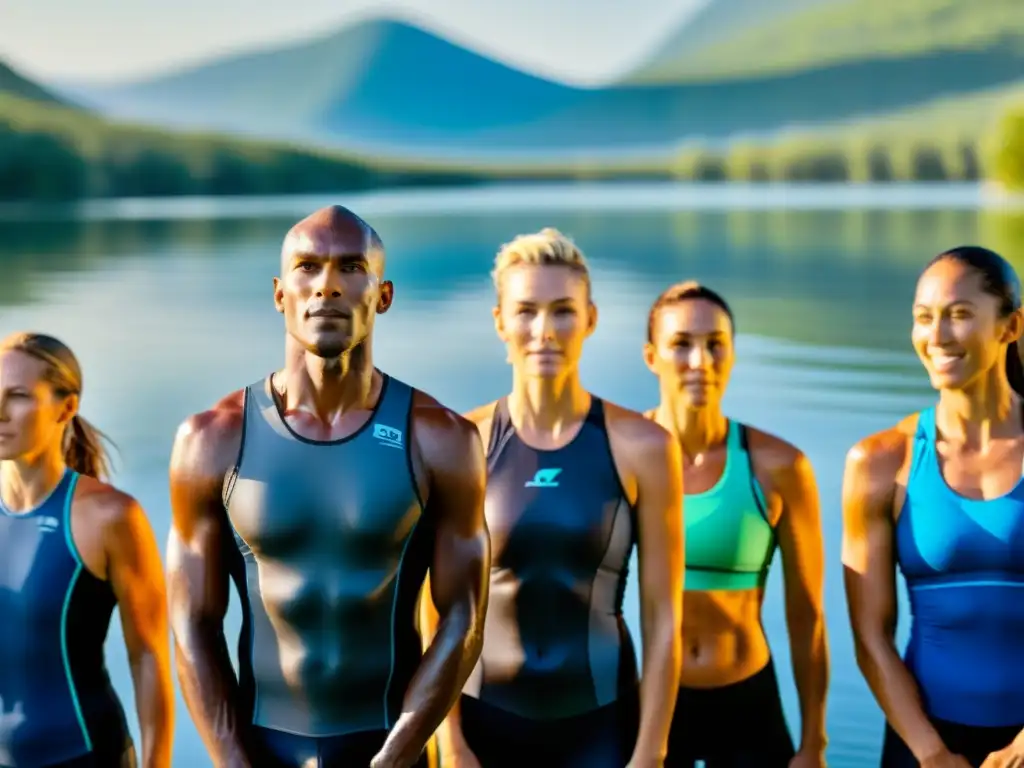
(69,539)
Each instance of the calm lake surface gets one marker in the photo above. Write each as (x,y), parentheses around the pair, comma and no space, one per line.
(168,305)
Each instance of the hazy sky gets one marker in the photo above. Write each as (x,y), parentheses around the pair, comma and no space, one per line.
(576,40)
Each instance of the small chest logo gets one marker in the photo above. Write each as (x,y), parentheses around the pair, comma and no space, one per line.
(544,478)
(48,524)
(388,435)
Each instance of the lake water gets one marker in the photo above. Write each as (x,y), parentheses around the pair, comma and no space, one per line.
(168,305)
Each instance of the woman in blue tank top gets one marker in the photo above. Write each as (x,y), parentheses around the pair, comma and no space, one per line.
(71,549)
(574,484)
(747,493)
(941,495)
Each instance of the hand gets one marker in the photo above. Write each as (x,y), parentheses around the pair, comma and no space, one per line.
(388,758)
(234,758)
(808,758)
(459,757)
(1011,757)
(945,759)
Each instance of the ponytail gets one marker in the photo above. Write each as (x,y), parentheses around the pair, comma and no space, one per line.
(1014,368)
(84,451)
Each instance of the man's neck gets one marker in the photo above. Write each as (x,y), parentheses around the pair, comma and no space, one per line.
(327,388)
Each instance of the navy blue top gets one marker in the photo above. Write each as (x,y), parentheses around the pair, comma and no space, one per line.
(56,700)
(963,560)
(562,531)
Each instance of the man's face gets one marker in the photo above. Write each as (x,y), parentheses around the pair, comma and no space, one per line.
(330,290)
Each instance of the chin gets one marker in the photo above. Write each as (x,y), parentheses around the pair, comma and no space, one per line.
(947,381)
(11,453)
(330,347)
(544,371)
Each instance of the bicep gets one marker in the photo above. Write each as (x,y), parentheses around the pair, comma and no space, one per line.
(137,580)
(458,481)
(197,578)
(868,564)
(799,533)
(660,519)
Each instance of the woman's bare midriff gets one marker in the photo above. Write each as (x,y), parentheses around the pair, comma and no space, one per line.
(723,640)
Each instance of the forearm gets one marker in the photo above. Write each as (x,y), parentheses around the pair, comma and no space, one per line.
(436,686)
(897,694)
(809,651)
(210,689)
(659,689)
(154,703)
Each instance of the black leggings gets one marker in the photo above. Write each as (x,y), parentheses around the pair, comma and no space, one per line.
(736,726)
(276,749)
(974,742)
(603,738)
(102,759)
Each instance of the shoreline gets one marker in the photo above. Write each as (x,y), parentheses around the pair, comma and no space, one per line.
(518,196)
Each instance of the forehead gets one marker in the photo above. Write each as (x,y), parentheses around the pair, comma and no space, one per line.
(543,282)
(695,317)
(19,370)
(329,243)
(948,281)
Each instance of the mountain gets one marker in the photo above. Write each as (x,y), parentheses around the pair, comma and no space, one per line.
(15,84)
(740,38)
(378,81)
(389,88)
(716,23)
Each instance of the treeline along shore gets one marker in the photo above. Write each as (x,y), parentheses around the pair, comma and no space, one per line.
(54,152)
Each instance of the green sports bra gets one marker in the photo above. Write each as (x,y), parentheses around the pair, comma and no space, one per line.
(729,541)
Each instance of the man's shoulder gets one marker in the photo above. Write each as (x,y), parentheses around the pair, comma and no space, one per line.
(439,431)
(206,434)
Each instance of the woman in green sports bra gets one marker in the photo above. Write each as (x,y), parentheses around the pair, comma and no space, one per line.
(747,492)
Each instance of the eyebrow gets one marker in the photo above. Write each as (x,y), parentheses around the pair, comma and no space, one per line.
(348,258)
(956,303)
(559,300)
(714,332)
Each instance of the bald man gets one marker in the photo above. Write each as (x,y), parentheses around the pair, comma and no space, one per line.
(326,491)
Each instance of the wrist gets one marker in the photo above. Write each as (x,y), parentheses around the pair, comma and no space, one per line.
(927,747)
(814,744)
(645,759)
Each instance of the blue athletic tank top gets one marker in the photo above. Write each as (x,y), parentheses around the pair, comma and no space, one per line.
(56,700)
(963,561)
(562,531)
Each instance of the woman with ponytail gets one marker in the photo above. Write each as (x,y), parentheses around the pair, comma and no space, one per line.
(72,548)
(941,495)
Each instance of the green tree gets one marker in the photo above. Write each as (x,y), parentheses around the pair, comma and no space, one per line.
(1005,150)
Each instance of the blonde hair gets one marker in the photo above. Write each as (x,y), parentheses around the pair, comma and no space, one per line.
(547,247)
(83,443)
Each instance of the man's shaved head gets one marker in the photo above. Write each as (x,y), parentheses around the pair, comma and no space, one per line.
(334,231)
(332,281)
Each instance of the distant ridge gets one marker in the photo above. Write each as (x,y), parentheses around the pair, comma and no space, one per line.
(15,84)
(738,69)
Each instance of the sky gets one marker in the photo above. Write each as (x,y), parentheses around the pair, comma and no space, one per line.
(577,41)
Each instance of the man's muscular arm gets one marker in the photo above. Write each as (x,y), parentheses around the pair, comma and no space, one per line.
(205,449)
(453,458)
